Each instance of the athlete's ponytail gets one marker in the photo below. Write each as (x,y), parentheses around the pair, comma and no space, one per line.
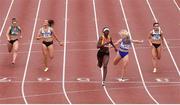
(51,22)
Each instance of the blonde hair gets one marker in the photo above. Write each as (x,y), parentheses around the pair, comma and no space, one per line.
(124,33)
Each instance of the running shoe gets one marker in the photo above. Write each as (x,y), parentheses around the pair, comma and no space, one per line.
(123,79)
(154,70)
(46,69)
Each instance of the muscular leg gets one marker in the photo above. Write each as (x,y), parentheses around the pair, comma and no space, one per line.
(100,59)
(117,59)
(15,50)
(45,54)
(105,63)
(51,51)
(10,46)
(159,53)
(124,65)
(154,58)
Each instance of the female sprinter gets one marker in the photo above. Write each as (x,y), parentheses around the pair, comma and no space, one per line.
(155,39)
(103,45)
(124,44)
(47,34)
(13,34)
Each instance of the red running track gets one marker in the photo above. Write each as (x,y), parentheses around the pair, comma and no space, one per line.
(80,60)
(23,11)
(137,21)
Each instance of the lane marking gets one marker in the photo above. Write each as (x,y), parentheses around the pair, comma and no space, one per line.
(7,15)
(167,80)
(135,54)
(90,90)
(29,53)
(5,79)
(64,56)
(153,14)
(97,35)
(163,80)
(176,5)
(43,79)
(122,80)
(83,79)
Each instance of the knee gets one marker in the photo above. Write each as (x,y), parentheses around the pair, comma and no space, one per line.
(15,50)
(45,56)
(159,57)
(154,58)
(114,63)
(105,67)
(51,57)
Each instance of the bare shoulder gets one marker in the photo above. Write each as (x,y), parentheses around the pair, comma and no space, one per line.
(100,37)
(161,32)
(9,27)
(41,29)
(51,28)
(151,32)
(19,27)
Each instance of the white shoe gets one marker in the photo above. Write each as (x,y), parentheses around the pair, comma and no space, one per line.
(154,70)
(122,79)
(46,69)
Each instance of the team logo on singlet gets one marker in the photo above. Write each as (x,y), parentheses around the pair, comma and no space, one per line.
(47,33)
(14,30)
(156,35)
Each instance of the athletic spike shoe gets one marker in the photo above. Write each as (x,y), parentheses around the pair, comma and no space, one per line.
(46,69)
(154,70)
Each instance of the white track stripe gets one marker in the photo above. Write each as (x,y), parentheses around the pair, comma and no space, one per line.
(176,5)
(64,57)
(97,34)
(147,1)
(6,17)
(134,50)
(29,53)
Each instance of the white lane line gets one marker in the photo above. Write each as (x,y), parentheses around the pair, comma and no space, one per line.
(48,80)
(29,53)
(97,35)
(134,50)
(6,17)
(90,90)
(176,5)
(64,57)
(147,1)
